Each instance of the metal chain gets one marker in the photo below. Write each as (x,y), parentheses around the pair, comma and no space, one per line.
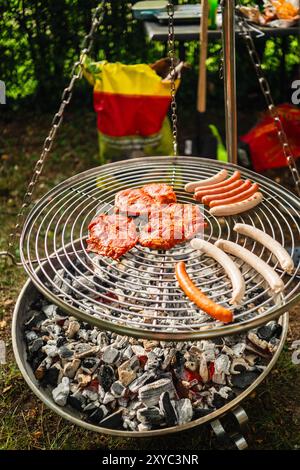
(76,74)
(171,55)
(221,64)
(221,56)
(266,90)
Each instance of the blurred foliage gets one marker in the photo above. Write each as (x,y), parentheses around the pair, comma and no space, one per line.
(40,41)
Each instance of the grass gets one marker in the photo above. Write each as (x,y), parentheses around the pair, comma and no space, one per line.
(25,423)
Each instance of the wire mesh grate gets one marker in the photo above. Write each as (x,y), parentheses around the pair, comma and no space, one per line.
(138,295)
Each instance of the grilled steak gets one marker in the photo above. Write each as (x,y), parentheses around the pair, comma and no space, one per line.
(140,201)
(160,192)
(170,225)
(112,235)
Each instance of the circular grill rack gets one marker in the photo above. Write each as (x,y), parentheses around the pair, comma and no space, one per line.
(138,295)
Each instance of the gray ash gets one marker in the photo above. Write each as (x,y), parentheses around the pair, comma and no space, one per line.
(142,384)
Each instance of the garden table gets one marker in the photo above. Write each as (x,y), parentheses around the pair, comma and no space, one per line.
(190,32)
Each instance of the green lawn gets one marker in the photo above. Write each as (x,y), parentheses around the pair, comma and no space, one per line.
(25,423)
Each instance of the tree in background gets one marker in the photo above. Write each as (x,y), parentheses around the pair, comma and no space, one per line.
(40,39)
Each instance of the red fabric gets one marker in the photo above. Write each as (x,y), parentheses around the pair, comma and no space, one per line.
(266,150)
(124,115)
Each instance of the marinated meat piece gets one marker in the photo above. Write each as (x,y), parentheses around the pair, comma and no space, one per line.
(171,225)
(112,235)
(160,192)
(140,201)
(133,202)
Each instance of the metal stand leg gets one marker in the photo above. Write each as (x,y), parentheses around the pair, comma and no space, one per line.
(237,438)
(228,37)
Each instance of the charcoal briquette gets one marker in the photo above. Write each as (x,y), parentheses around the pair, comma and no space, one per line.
(51,376)
(244,379)
(218,401)
(61,340)
(36,345)
(96,416)
(167,409)
(76,402)
(106,377)
(35,319)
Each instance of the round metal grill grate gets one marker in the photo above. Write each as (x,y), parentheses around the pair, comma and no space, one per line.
(139,295)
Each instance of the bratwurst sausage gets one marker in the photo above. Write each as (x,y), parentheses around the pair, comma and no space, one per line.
(275,282)
(285,260)
(199,298)
(228,194)
(223,184)
(203,193)
(190,187)
(229,266)
(238,207)
(241,196)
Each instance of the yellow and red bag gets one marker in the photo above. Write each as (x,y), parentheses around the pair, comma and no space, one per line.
(131,102)
(265,147)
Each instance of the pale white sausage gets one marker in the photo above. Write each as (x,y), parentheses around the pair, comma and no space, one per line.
(229,266)
(237,207)
(221,176)
(274,246)
(275,282)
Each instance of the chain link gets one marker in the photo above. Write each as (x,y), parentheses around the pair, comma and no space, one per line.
(171,55)
(76,74)
(266,90)
(221,56)
(221,64)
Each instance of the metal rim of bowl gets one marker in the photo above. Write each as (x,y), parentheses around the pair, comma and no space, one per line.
(37,390)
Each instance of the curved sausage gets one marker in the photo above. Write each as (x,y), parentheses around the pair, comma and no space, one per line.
(238,207)
(239,197)
(234,177)
(190,187)
(226,195)
(229,266)
(199,195)
(285,260)
(275,282)
(199,298)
